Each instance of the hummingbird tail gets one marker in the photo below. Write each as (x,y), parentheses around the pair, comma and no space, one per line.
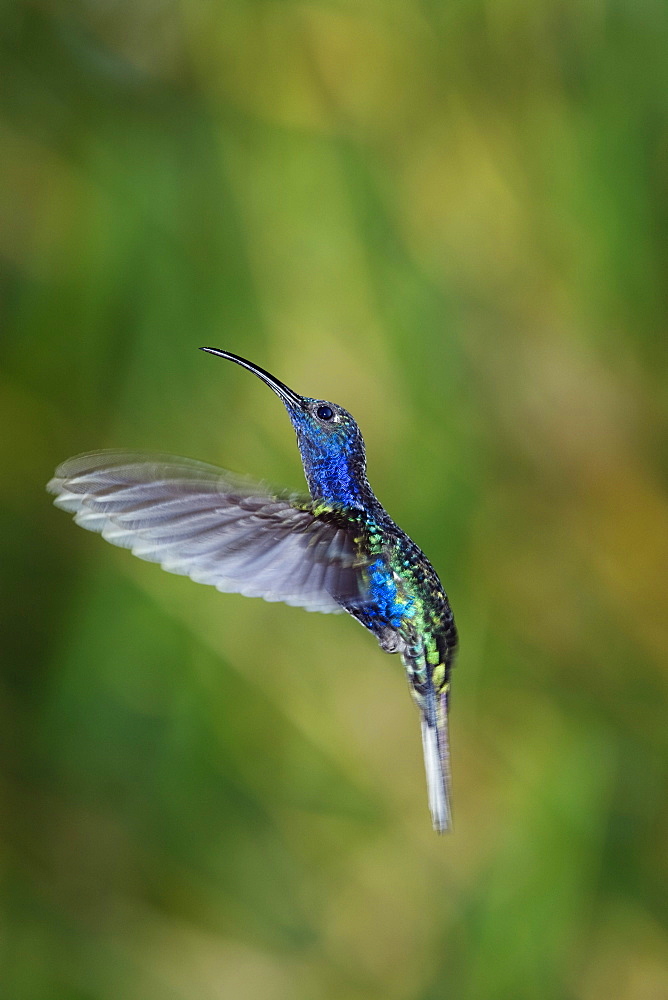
(434,718)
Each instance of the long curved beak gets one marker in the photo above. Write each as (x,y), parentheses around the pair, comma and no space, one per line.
(290,398)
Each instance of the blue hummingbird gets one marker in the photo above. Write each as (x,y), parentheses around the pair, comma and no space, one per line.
(336,550)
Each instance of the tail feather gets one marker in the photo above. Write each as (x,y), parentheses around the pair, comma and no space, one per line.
(434,718)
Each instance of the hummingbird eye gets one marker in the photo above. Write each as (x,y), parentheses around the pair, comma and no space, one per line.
(324,412)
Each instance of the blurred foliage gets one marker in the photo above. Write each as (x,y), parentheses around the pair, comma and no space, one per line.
(450,218)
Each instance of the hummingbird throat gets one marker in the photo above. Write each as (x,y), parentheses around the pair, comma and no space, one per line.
(332,477)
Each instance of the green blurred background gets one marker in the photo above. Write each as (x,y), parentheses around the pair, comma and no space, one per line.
(450,218)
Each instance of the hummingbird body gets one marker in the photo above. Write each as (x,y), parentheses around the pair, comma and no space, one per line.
(337,550)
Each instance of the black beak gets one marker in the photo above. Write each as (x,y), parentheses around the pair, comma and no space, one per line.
(290,398)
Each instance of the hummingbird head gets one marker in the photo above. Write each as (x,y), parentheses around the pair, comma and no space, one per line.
(330,442)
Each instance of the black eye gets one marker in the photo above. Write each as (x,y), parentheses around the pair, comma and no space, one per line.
(324,412)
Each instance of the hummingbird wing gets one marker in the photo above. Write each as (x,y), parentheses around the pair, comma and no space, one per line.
(200,521)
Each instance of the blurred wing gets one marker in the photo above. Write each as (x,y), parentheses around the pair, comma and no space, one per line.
(202,522)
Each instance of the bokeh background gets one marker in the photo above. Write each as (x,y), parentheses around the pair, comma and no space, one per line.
(451,219)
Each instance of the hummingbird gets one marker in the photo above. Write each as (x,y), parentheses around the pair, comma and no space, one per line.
(332,551)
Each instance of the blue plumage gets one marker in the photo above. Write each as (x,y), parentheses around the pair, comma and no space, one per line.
(331,453)
(386,601)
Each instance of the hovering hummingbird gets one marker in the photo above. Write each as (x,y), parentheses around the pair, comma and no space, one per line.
(337,550)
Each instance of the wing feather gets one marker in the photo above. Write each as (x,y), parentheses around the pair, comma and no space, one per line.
(197,520)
